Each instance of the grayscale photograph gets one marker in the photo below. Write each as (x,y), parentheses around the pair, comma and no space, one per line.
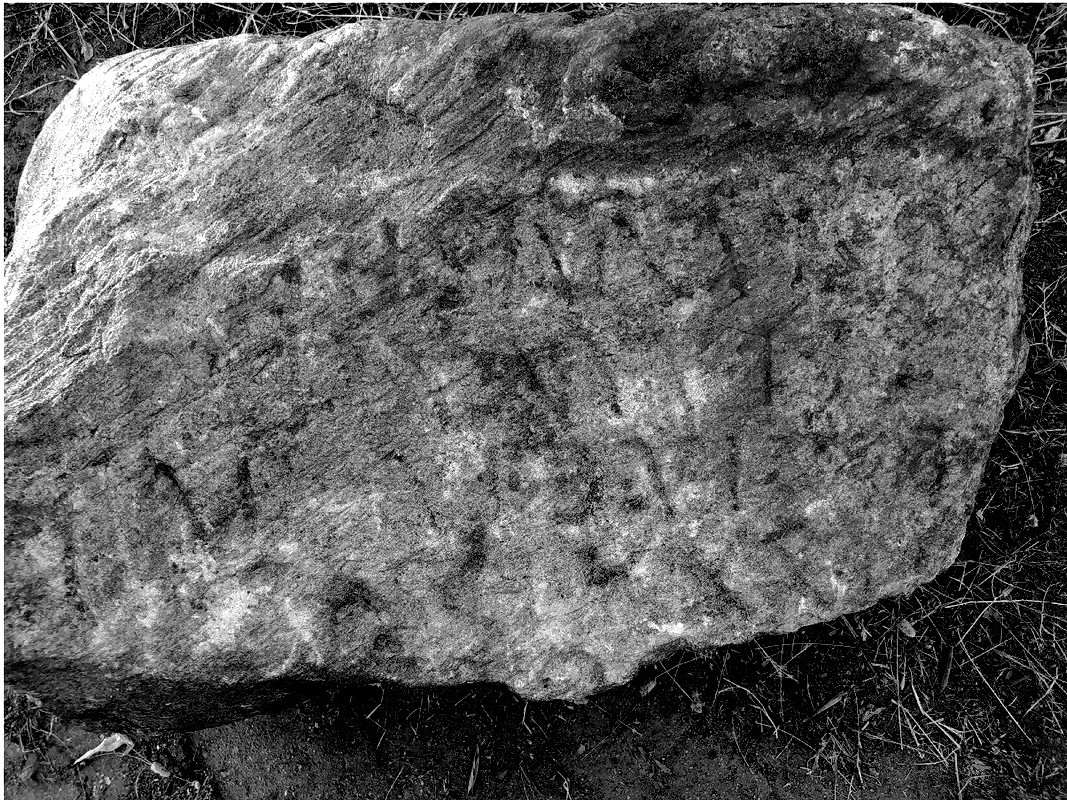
(515,401)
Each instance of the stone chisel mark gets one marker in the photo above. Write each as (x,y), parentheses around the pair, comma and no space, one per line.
(458,584)
(387,234)
(71,583)
(594,571)
(737,274)
(244,488)
(655,475)
(849,258)
(767,369)
(388,230)
(164,471)
(566,289)
(733,470)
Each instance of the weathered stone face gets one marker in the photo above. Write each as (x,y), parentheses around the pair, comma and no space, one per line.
(517,349)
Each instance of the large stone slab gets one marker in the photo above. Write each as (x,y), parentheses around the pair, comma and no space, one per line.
(518,349)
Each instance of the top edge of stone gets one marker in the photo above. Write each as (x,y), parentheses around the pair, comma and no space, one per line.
(633,72)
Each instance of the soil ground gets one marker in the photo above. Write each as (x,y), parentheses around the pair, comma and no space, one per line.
(957,691)
(409,744)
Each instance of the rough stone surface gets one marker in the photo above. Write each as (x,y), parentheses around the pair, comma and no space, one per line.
(519,349)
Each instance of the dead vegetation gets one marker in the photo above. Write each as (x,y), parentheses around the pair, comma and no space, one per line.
(968,673)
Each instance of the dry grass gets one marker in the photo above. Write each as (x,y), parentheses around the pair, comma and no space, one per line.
(47,755)
(970,672)
(34,731)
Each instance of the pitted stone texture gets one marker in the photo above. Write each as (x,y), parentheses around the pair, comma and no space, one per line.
(518,349)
